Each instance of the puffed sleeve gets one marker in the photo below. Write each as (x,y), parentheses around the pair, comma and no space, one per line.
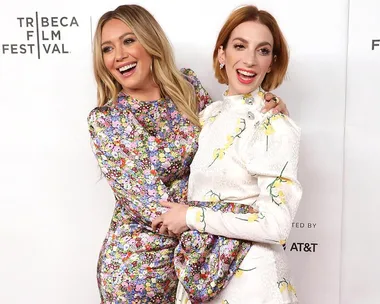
(271,157)
(121,151)
(202,95)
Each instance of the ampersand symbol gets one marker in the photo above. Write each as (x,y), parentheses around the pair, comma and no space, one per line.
(307,247)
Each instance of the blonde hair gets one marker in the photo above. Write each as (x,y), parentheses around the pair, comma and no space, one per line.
(280,49)
(165,73)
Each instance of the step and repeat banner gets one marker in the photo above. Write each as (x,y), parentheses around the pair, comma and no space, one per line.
(55,207)
(360,267)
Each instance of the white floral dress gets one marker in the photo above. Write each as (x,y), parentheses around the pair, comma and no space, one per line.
(250,158)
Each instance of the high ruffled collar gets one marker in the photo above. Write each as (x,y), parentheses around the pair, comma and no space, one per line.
(254,98)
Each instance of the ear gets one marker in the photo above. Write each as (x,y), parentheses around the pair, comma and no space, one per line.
(221,55)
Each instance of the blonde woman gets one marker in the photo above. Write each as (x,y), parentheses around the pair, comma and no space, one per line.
(243,188)
(144,134)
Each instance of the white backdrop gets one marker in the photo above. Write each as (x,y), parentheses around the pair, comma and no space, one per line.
(55,209)
(361,226)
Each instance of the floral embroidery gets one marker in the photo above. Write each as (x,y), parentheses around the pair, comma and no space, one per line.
(244,187)
(200,217)
(220,152)
(285,285)
(253,217)
(240,271)
(267,126)
(212,197)
(209,119)
(277,195)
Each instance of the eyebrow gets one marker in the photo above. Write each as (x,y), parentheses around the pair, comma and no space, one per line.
(246,41)
(120,38)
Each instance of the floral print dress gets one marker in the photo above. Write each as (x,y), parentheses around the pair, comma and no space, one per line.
(144,150)
(249,158)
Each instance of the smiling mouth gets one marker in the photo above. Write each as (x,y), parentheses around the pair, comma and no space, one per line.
(246,74)
(245,77)
(127,68)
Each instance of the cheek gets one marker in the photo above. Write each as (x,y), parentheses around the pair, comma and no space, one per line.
(108,62)
(266,63)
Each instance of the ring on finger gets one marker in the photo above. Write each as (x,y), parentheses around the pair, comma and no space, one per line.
(275,99)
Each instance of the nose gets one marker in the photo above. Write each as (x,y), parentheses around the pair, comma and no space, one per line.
(250,58)
(121,53)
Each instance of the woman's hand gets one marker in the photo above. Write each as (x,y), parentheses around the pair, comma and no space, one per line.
(173,222)
(275,103)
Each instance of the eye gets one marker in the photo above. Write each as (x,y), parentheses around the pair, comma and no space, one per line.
(128,40)
(264,51)
(239,47)
(106,49)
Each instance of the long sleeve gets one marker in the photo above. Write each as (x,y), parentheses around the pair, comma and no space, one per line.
(272,158)
(122,154)
(201,93)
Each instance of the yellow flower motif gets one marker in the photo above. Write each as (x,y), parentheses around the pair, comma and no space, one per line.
(261,94)
(291,288)
(214,199)
(220,152)
(216,153)
(230,139)
(283,286)
(276,116)
(198,216)
(282,242)
(277,183)
(253,217)
(239,273)
(269,130)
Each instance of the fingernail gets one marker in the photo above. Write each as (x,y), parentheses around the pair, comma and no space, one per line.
(263,110)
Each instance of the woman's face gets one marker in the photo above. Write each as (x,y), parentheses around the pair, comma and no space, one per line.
(125,57)
(247,57)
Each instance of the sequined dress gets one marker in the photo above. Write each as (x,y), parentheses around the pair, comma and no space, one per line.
(144,150)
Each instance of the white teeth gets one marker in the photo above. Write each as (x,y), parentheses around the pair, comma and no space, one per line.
(127,67)
(245,73)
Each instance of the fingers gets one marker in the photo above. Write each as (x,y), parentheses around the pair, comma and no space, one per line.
(172,234)
(167,204)
(163,230)
(272,102)
(157,222)
(268,96)
(281,108)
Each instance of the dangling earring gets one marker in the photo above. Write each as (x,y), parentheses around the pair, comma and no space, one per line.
(221,66)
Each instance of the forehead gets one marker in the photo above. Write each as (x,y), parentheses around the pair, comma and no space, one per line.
(113,29)
(252,31)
